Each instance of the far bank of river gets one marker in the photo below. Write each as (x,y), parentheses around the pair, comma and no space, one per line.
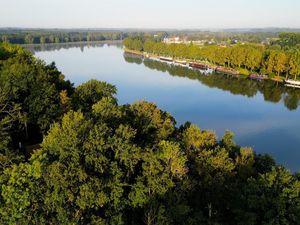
(225,70)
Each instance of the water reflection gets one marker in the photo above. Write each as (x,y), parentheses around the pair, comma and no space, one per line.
(82,46)
(272,91)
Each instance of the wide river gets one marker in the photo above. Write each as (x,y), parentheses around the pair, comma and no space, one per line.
(263,115)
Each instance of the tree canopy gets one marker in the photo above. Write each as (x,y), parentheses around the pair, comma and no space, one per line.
(104,163)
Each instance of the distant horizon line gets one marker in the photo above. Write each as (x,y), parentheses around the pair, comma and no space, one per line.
(147,28)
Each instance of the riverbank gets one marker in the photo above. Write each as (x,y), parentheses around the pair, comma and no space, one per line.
(214,67)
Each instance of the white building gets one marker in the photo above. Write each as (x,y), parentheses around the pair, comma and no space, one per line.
(174,40)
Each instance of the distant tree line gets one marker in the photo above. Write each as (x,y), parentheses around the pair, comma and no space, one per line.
(58,37)
(98,162)
(43,36)
(244,57)
(289,39)
(225,36)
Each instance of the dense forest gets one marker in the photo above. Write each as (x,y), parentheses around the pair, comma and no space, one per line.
(246,58)
(73,155)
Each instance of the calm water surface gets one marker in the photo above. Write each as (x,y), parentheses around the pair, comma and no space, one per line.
(263,115)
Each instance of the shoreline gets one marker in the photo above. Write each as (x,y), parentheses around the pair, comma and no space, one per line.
(210,65)
(70,43)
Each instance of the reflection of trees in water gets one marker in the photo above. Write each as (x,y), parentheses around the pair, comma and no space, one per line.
(58,46)
(272,91)
(133,58)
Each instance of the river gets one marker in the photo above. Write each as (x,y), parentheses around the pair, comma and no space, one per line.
(262,114)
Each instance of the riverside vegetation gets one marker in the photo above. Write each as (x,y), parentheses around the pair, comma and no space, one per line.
(282,59)
(41,36)
(271,91)
(73,155)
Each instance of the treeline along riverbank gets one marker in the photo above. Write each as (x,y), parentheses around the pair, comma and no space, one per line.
(58,36)
(272,91)
(272,61)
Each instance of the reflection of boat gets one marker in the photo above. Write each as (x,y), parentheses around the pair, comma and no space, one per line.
(182,63)
(292,83)
(227,71)
(154,58)
(167,60)
(256,76)
(208,71)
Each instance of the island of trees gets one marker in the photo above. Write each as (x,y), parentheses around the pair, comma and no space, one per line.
(73,155)
(282,59)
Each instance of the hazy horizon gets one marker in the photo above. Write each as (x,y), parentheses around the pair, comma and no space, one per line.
(153,28)
(134,14)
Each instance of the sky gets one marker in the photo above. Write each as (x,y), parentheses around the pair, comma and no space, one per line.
(180,14)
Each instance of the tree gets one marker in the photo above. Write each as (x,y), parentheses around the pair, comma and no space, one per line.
(294,64)
(277,62)
(9,114)
(272,198)
(35,87)
(42,40)
(151,123)
(89,93)
(28,39)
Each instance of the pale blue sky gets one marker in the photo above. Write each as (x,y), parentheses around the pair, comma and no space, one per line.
(149,13)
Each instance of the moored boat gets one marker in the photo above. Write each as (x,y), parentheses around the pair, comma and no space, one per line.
(256,76)
(198,66)
(292,82)
(167,59)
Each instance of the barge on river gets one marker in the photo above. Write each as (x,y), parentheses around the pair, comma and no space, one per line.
(198,66)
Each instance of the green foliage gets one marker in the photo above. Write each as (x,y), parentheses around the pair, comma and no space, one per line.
(272,198)
(9,114)
(152,123)
(243,57)
(57,36)
(294,64)
(30,100)
(104,163)
(90,93)
(289,38)
(134,44)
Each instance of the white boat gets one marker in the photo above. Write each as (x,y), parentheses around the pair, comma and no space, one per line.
(168,59)
(292,85)
(293,82)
